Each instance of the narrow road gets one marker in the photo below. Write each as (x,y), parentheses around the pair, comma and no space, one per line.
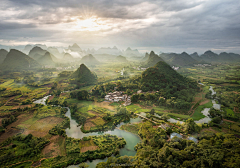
(147,119)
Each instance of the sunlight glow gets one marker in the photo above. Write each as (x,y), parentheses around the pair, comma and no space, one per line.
(89,24)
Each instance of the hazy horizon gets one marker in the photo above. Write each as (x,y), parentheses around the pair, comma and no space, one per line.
(166,26)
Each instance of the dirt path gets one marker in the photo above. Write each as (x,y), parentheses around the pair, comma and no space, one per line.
(229,121)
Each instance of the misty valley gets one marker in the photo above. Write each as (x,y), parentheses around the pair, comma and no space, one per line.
(71,107)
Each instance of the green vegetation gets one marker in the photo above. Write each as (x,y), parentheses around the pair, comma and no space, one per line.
(103,146)
(133,128)
(197,115)
(60,128)
(121,59)
(21,148)
(83,76)
(152,59)
(164,93)
(16,60)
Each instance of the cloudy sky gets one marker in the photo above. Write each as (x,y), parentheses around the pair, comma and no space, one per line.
(159,25)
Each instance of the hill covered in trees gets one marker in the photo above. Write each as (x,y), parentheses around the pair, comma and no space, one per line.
(145,58)
(182,59)
(89,60)
(68,57)
(223,57)
(46,59)
(3,54)
(37,52)
(121,59)
(152,59)
(162,76)
(83,76)
(16,60)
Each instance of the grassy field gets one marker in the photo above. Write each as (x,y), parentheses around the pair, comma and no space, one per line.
(98,121)
(197,115)
(87,145)
(133,128)
(229,112)
(39,127)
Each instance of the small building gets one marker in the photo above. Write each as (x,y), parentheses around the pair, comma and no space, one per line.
(140,91)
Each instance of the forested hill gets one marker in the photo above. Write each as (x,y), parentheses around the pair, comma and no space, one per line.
(3,54)
(121,59)
(162,76)
(182,59)
(89,60)
(46,59)
(83,76)
(17,60)
(152,59)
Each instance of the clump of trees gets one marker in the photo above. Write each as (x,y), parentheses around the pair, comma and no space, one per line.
(60,128)
(7,121)
(212,150)
(21,148)
(80,95)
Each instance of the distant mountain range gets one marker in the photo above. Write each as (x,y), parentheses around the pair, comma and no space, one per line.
(74,54)
(178,59)
(223,57)
(185,59)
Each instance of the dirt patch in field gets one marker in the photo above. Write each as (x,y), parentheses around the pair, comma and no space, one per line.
(93,112)
(11,129)
(51,97)
(41,127)
(229,121)
(204,102)
(9,133)
(88,125)
(90,148)
(236,110)
(48,85)
(23,106)
(209,129)
(225,130)
(51,150)
(63,94)
(1,121)
(104,104)
(9,100)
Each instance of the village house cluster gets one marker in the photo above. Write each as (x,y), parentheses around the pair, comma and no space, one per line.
(118,96)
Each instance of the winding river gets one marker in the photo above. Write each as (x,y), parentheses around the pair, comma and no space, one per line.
(75,132)
(204,112)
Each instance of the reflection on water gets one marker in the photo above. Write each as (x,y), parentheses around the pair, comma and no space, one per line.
(130,138)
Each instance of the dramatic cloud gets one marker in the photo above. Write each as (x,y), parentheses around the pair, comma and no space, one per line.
(162,25)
